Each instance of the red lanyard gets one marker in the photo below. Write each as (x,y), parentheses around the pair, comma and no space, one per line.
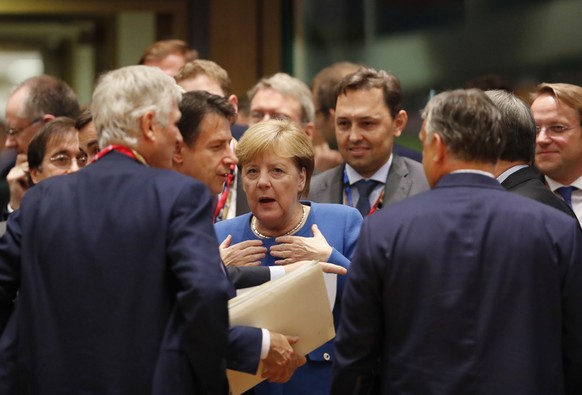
(348,190)
(224,194)
(122,150)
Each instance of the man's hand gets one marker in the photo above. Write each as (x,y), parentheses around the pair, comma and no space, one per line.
(281,360)
(18,181)
(325,267)
(245,253)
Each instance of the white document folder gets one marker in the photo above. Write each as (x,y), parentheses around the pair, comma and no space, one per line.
(295,304)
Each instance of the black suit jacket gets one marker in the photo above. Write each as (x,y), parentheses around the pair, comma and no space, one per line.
(529,182)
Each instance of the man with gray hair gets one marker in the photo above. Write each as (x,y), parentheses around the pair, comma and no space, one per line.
(466,288)
(515,170)
(146,311)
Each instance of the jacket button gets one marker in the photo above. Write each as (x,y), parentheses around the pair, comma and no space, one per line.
(326,356)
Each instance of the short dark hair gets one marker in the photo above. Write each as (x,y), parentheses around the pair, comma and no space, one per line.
(194,106)
(85,117)
(368,78)
(49,95)
(518,126)
(53,129)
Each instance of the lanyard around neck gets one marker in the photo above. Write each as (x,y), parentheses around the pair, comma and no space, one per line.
(122,150)
(348,190)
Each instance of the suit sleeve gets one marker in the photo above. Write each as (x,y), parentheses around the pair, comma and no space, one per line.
(360,331)
(244,349)
(202,295)
(248,276)
(9,268)
(572,312)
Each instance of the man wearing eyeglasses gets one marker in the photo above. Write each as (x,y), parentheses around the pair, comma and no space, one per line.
(55,151)
(31,104)
(557,110)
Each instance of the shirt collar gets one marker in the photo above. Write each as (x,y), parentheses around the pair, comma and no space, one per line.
(555,184)
(474,171)
(503,176)
(381,175)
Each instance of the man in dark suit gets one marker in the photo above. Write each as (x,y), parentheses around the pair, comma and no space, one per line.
(135,303)
(206,75)
(515,169)
(368,116)
(466,288)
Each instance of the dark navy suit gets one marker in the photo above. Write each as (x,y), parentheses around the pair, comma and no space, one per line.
(120,286)
(466,289)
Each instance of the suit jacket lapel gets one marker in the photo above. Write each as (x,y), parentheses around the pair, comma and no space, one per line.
(398,184)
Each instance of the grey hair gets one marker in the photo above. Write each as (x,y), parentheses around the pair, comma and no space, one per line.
(124,95)
(289,86)
(518,125)
(468,122)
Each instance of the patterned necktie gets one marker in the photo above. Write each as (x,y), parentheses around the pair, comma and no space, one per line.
(365,187)
(566,193)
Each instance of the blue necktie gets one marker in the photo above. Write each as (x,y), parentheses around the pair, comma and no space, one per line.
(566,193)
(365,187)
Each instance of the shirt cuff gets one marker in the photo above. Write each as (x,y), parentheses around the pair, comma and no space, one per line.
(276,272)
(266,345)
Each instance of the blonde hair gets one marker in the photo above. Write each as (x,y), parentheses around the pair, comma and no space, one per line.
(208,68)
(284,138)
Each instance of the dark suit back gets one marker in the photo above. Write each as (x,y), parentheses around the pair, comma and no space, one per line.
(466,289)
(528,182)
(121,286)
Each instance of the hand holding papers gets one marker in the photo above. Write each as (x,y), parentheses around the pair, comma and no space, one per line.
(296,304)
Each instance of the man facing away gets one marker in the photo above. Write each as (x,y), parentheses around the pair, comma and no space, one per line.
(146,311)
(368,116)
(466,288)
(515,170)
(557,109)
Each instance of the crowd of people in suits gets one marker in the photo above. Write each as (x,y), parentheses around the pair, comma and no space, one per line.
(133,220)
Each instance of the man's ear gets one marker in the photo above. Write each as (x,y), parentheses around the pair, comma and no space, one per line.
(440,151)
(233,101)
(46,118)
(309,129)
(34,175)
(178,157)
(400,122)
(146,124)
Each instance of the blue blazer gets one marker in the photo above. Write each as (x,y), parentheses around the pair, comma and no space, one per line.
(120,286)
(466,289)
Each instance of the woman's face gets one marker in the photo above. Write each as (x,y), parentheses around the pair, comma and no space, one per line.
(272,185)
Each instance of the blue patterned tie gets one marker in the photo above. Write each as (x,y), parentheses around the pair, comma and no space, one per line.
(364,187)
(566,193)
